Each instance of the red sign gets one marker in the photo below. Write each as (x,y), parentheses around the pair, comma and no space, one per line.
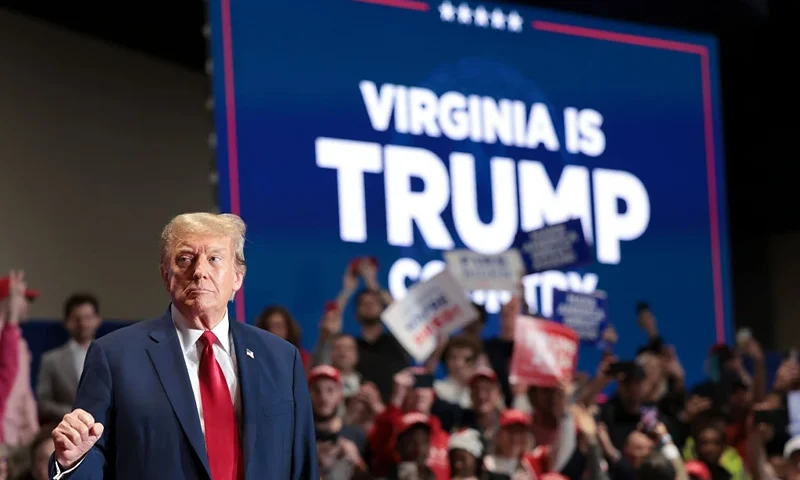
(545,353)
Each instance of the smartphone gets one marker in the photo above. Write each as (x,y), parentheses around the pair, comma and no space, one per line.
(793,406)
(770,417)
(649,418)
(743,336)
(327,436)
(642,307)
(423,380)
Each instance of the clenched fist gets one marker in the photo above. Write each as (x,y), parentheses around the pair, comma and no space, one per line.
(74,436)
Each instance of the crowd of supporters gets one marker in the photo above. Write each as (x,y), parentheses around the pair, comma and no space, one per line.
(379,415)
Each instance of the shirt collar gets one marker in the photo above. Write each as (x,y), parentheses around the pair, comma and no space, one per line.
(74,346)
(188,337)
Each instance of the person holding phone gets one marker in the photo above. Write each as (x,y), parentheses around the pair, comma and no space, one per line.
(622,414)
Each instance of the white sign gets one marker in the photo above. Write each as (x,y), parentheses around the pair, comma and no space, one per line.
(438,306)
(475,271)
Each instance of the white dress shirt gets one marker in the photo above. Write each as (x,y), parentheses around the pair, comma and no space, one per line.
(78,355)
(192,349)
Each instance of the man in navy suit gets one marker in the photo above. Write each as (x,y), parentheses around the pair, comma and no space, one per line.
(191,395)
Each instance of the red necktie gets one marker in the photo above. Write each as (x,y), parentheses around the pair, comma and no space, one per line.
(222,436)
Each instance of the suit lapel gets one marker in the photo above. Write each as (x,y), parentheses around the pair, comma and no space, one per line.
(250,385)
(167,357)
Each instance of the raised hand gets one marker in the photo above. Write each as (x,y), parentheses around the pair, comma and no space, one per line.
(331,323)
(16,296)
(369,272)
(349,280)
(75,436)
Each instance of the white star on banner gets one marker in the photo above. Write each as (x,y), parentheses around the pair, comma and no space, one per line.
(498,19)
(481,16)
(464,14)
(447,12)
(514,22)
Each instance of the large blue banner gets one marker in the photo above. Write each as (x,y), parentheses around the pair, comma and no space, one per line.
(404,128)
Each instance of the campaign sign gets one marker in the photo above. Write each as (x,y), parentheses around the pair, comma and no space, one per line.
(586,314)
(545,353)
(436,307)
(402,129)
(475,271)
(793,406)
(555,247)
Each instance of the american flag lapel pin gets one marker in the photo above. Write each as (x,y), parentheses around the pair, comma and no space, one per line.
(249,353)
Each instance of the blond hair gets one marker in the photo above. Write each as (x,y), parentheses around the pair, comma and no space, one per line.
(203,223)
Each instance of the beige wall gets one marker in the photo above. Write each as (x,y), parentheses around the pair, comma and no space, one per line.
(99,147)
(784,260)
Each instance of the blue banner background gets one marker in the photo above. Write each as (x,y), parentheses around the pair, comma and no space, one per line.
(296,66)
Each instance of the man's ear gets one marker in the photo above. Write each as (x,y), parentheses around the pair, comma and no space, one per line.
(238,279)
(164,274)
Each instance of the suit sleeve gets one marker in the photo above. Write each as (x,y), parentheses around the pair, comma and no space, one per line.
(304,446)
(48,407)
(94,396)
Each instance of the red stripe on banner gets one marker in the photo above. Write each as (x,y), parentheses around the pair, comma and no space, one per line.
(230,122)
(618,37)
(407,4)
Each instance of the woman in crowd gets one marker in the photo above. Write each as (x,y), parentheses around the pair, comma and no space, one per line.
(279,321)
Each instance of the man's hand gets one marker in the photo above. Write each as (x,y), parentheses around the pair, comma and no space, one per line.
(672,364)
(349,280)
(331,323)
(752,349)
(75,436)
(585,423)
(694,406)
(16,296)
(369,272)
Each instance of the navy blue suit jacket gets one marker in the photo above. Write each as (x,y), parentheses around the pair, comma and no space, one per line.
(135,383)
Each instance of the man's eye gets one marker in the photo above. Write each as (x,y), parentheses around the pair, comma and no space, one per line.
(183,259)
(215,259)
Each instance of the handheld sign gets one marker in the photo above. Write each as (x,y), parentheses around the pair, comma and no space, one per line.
(586,314)
(475,271)
(793,405)
(554,247)
(437,306)
(545,353)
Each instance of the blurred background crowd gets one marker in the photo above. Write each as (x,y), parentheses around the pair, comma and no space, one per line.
(99,122)
(457,416)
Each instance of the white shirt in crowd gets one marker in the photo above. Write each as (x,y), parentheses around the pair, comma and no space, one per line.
(451,391)
(78,355)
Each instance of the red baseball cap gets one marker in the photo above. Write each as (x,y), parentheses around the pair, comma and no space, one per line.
(514,417)
(409,420)
(31,295)
(698,469)
(324,371)
(483,372)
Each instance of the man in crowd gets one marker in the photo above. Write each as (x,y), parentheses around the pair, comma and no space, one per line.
(380,355)
(18,419)
(62,367)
